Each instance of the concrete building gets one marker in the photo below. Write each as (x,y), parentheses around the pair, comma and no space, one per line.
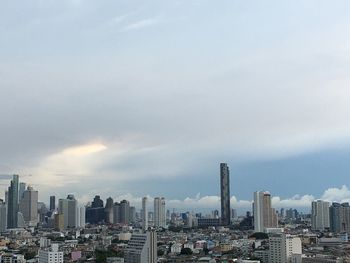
(52,203)
(50,254)
(339,217)
(21,189)
(124,212)
(144,214)
(320,215)
(12,205)
(69,208)
(159,212)
(225,194)
(282,247)
(109,210)
(142,248)
(28,206)
(264,215)
(3,216)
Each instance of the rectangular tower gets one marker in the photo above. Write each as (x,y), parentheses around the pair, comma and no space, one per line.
(12,206)
(225,193)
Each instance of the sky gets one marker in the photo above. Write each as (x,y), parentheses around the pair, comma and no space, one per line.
(146,98)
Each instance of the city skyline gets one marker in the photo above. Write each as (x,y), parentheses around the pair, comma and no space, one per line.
(133,93)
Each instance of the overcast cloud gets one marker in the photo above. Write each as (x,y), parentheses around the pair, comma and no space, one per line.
(135,97)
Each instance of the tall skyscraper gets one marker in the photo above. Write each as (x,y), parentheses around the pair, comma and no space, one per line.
(144,214)
(264,215)
(22,188)
(320,215)
(69,208)
(225,194)
(124,212)
(116,213)
(142,248)
(3,216)
(52,203)
(97,202)
(12,206)
(28,206)
(339,217)
(159,212)
(109,210)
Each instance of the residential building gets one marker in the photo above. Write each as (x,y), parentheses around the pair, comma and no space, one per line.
(225,194)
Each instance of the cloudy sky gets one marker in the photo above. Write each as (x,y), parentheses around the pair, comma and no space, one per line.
(134,98)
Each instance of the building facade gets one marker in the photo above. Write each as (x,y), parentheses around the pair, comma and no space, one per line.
(225,194)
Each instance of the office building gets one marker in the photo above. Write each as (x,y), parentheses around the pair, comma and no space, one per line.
(28,206)
(282,247)
(225,194)
(264,215)
(124,212)
(339,217)
(144,214)
(22,188)
(50,254)
(109,210)
(12,206)
(52,203)
(3,216)
(97,202)
(116,213)
(142,248)
(69,208)
(159,212)
(320,215)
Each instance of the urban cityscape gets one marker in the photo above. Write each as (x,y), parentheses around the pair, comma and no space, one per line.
(64,230)
(174,131)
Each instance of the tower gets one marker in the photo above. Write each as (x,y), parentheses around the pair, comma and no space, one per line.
(12,207)
(225,193)
(144,214)
(159,212)
(28,206)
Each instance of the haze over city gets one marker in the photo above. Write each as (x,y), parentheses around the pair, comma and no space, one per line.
(129,99)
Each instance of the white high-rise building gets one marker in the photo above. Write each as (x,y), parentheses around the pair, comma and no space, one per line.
(264,215)
(142,248)
(3,216)
(82,210)
(320,215)
(282,247)
(159,212)
(69,208)
(50,254)
(28,206)
(144,214)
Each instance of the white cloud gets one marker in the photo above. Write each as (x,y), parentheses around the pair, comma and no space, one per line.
(141,24)
(337,194)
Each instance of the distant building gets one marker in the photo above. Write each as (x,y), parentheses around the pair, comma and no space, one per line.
(144,214)
(339,217)
(264,215)
(109,210)
(50,254)
(3,216)
(28,206)
(59,222)
(320,215)
(124,212)
(12,206)
(159,212)
(69,208)
(142,248)
(52,203)
(22,188)
(225,194)
(97,202)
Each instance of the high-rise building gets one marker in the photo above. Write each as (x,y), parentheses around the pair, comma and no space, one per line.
(225,194)
(159,212)
(144,214)
(97,202)
(28,206)
(264,215)
(109,210)
(282,247)
(320,215)
(12,206)
(52,203)
(50,254)
(116,213)
(124,212)
(82,211)
(339,217)
(142,248)
(3,216)
(69,208)
(22,188)
(132,214)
